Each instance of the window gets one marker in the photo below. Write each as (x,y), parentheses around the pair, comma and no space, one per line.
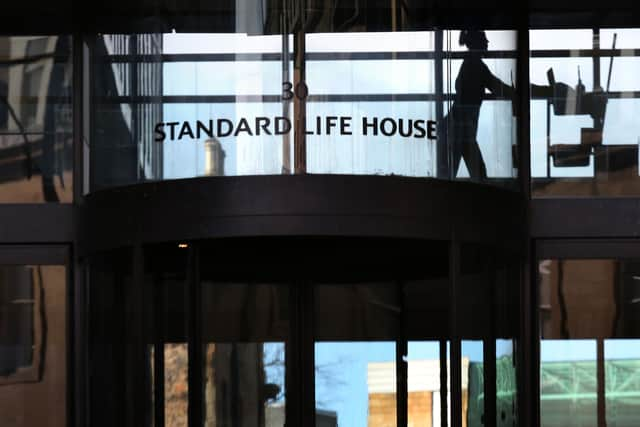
(33,364)
(590,346)
(584,135)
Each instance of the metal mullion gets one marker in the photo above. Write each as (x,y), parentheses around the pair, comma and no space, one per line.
(525,352)
(530,338)
(307,359)
(72,274)
(292,361)
(402,396)
(299,104)
(77,96)
(455,353)
(138,356)
(600,384)
(194,338)
(441,144)
(444,389)
(489,352)
(158,354)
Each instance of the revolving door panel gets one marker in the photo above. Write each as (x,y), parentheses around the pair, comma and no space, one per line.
(216,335)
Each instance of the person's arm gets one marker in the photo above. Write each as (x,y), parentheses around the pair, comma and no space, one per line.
(495,85)
(498,87)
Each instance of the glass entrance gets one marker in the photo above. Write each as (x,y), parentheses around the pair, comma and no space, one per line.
(348,332)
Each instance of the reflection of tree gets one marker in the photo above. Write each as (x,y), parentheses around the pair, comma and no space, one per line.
(329,376)
(274,369)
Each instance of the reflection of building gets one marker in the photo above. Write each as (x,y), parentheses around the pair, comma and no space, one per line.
(130,73)
(35,119)
(32,346)
(275,416)
(213,158)
(423,393)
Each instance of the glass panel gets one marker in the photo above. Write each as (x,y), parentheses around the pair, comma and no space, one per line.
(337,95)
(33,348)
(506,384)
(35,119)
(473,395)
(423,387)
(166,285)
(584,140)
(586,377)
(426,320)
(176,384)
(245,330)
(355,353)
(489,325)
(622,381)
(356,383)
(110,275)
(507,318)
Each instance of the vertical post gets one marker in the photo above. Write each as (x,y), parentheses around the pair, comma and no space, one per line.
(293,396)
(444,388)
(77,107)
(299,103)
(134,99)
(286,140)
(306,312)
(402,397)
(194,337)
(600,373)
(159,336)
(86,137)
(596,58)
(77,319)
(442,157)
(489,349)
(136,356)
(456,350)
(527,353)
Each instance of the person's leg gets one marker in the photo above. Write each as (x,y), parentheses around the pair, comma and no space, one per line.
(473,158)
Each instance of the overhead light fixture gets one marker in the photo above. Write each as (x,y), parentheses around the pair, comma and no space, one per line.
(183,245)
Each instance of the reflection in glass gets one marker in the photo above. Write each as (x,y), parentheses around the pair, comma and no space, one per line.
(584,141)
(589,348)
(473,383)
(462,121)
(356,383)
(568,383)
(33,350)
(622,381)
(355,353)
(166,285)
(176,385)
(244,331)
(506,384)
(244,384)
(35,119)
(424,391)
(231,104)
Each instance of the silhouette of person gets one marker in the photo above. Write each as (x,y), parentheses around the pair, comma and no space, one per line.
(473,79)
(462,121)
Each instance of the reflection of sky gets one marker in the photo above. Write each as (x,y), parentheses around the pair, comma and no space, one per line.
(341,371)
(341,377)
(274,358)
(586,349)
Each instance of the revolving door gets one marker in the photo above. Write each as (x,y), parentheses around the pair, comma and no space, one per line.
(297,331)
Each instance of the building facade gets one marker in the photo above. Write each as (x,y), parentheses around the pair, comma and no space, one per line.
(257,213)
